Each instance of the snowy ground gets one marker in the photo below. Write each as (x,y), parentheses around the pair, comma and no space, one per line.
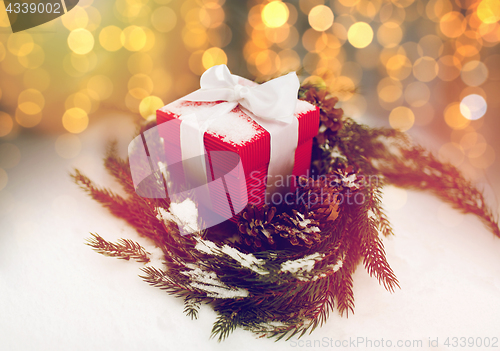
(57,294)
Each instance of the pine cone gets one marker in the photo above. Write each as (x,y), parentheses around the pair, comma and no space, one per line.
(349,182)
(299,229)
(256,228)
(330,117)
(320,197)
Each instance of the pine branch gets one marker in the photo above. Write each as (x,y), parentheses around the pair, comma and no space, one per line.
(115,203)
(191,307)
(417,168)
(119,168)
(371,247)
(374,258)
(224,325)
(125,249)
(342,286)
(162,280)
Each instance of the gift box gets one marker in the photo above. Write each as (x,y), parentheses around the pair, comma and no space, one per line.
(238,133)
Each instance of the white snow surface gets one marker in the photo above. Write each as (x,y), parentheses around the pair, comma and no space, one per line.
(55,291)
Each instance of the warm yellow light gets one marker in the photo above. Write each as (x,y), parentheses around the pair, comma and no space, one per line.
(453,24)
(31,101)
(38,79)
(275,14)
(398,67)
(163,19)
(20,44)
(34,59)
(417,94)
(488,11)
(110,38)
(425,69)
(76,18)
(389,90)
(133,38)
(474,73)
(79,100)
(149,105)
(449,68)
(360,35)
(401,118)
(349,3)
(213,56)
(27,120)
(389,34)
(81,41)
(101,85)
(320,18)
(75,120)
(454,118)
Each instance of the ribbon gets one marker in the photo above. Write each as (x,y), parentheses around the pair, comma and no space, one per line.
(271,105)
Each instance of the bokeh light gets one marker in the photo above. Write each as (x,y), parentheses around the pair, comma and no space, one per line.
(75,120)
(473,106)
(488,11)
(429,65)
(474,73)
(6,124)
(275,14)
(454,117)
(360,35)
(149,105)
(401,118)
(213,56)
(110,38)
(81,41)
(320,18)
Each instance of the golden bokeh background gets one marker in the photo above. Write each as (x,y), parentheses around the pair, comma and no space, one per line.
(431,68)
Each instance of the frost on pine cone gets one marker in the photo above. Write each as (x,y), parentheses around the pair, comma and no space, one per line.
(299,229)
(262,229)
(255,227)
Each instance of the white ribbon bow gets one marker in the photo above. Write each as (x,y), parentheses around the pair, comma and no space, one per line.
(274,100)
(271,105)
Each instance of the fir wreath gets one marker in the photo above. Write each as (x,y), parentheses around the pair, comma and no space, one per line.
(280,271)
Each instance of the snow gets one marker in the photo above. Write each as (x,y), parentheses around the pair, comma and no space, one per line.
(234,127)
(246,260)
(303,223)
(210,283)
(305,264)
(303,107)
(184,214)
